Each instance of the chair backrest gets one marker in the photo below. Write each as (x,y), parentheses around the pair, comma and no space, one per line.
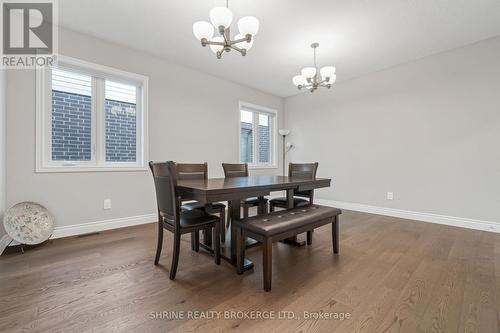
(235,170)
(192,171)
(165,178)
(303,170)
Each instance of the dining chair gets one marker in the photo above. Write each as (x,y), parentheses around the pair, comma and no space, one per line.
(200,171)
(175,220)
(241,170)
(300,198)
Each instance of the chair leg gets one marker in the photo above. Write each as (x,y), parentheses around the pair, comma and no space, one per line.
(267,262)
(240,250)
(222,224)
(335,234)
(175,255)
(160,241)
(271,208)
(309,237)
(207,237)
(228,223)
(245,211)
(217,234)
(195,241)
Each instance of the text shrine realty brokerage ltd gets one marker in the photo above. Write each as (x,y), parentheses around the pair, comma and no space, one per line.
(248,315)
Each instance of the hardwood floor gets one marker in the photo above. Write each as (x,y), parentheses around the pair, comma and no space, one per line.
(391,275)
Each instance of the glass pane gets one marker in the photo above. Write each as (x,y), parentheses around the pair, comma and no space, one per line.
(246,137)
(264,139)
(71,116)
(121,122)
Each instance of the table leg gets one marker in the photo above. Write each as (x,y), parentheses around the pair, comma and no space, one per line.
(262,206)
(292,240)
(235,213)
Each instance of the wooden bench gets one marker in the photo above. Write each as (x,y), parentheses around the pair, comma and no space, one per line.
(276,226)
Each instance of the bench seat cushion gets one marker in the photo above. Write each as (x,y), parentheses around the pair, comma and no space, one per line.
(277,222)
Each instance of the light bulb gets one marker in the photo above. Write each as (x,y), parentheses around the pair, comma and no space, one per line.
(203,29)
(308,72)
(327,71)
(221,16)
(248,25)
(299,80)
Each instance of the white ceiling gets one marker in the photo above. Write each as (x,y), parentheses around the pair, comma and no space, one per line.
(357,36)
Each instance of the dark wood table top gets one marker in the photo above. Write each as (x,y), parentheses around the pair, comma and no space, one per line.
(233,183)
(221,189)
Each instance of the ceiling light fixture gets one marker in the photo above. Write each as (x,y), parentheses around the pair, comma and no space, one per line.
(221,18)
(310,79)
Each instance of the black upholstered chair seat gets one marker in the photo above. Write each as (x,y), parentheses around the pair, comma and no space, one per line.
(198,205)
(283,203)
(196,218)
(253,201)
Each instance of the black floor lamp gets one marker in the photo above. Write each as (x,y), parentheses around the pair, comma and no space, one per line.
(284,133)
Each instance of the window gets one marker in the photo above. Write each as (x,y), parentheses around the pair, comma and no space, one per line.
(257,128)
(90,117)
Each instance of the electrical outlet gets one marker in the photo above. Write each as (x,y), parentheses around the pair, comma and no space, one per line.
(107,204)
(390,196)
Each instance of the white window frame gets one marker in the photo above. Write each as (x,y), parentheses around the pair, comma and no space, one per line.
(99,73)
(273,164)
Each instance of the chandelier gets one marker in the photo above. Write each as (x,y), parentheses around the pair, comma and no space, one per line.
(221,18)
(311,80)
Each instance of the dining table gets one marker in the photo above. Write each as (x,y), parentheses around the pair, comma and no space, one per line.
(235,189)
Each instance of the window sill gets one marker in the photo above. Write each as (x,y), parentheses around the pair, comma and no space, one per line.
(84,169)
(253,167)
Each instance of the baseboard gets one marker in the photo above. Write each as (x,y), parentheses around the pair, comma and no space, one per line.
(85,228)
(411,215)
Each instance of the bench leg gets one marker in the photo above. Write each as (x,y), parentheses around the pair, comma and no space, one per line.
(267,262)
(309,237)
(335,234)
(192,241)
(240,250)
(195,241)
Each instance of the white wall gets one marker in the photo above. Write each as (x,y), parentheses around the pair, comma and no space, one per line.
(2,148)
(429,131)
(193,117)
